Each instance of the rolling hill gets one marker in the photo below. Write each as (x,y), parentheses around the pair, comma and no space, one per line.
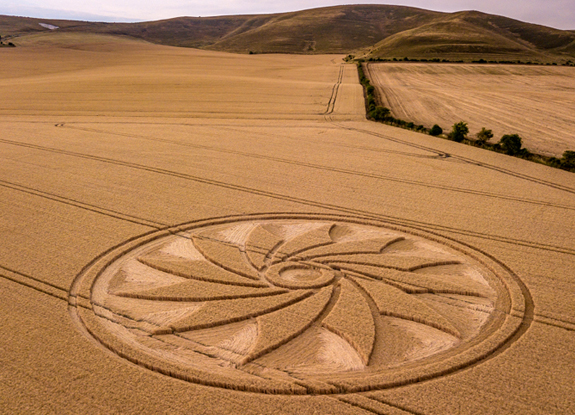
(466,34)
(366,30)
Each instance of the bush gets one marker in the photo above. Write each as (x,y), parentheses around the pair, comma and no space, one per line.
(526,154)
(511,144)
(568,160)
(371,105)
(554,162)
(459,132)
(379,113)
(436,130)
(484,136)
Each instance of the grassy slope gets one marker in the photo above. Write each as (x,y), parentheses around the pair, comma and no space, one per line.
(378,30)
(14,25)
(184,31)
(457,39)
(473,34)
(332,29)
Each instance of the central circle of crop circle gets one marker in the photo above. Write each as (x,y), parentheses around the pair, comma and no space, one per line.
(298,304)
(296,275)
(300,274)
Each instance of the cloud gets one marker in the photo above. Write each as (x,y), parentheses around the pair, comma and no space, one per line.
(28,9)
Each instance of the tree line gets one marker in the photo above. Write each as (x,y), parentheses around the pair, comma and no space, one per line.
(567,62)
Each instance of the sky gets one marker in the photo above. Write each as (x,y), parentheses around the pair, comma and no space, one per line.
(554,13)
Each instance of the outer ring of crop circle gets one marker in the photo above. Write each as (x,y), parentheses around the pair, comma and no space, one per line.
(516,322)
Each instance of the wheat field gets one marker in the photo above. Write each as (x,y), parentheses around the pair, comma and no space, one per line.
(199,232)
(535,102)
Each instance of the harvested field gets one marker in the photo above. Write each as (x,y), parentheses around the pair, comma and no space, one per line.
(197,232)
(535,102)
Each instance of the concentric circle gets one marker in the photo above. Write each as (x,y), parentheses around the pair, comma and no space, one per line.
(298,304)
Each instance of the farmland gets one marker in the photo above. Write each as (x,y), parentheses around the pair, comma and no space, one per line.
(190,231)
(534,102)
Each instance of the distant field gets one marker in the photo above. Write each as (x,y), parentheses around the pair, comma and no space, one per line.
(535,102)
(186,231)
(112,76)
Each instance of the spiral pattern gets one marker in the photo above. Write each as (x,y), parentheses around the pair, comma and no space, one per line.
(295,299)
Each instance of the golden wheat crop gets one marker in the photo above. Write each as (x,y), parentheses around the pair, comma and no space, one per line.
(258,251)
(534,102)
(200,270)
(234,259)
(188,231)
(358,329)
(283,325)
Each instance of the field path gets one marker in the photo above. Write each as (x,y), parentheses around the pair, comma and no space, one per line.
(126,167)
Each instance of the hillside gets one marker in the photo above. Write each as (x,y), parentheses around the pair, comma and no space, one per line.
(466,34)
(366,30)
(332,29)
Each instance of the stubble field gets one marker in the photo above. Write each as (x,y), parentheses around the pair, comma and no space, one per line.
(535,102)
(196,232)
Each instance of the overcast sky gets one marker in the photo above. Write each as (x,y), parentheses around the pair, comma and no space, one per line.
(555,13)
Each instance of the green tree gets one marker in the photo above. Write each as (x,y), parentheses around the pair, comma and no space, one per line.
(459,132)
(484,136)
(379,113)
(436,130)
(568,160)
(371,103)
(511,144)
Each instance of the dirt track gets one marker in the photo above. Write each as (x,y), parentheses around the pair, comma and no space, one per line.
(120,151)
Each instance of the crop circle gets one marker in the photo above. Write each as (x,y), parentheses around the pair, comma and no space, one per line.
(298,304)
